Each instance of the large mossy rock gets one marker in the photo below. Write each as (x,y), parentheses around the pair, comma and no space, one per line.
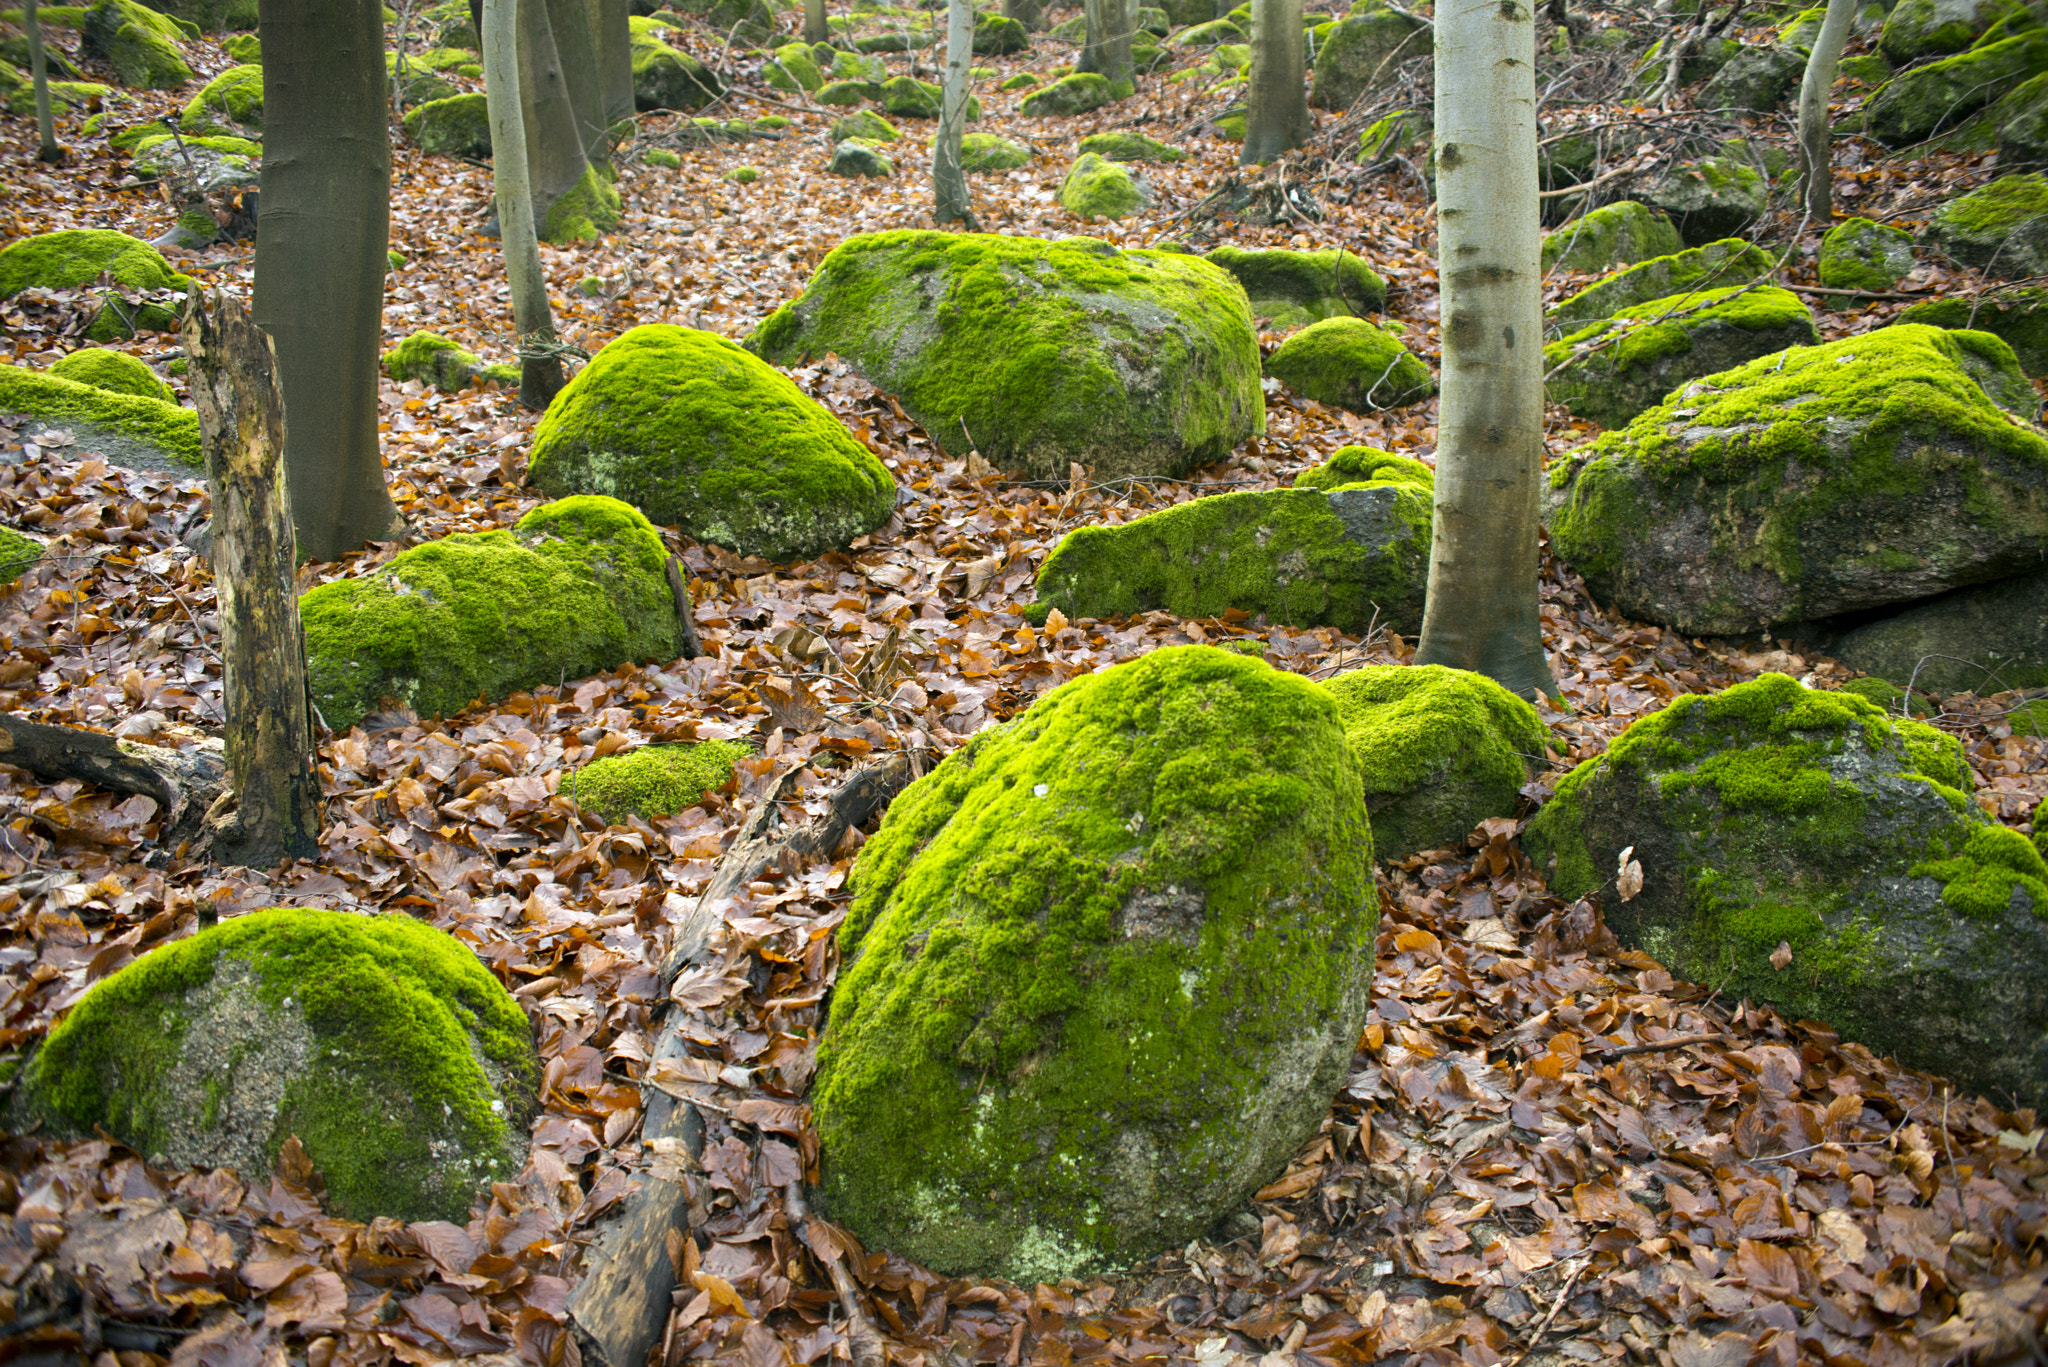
(117,425)
(2000,228)
(1368,46)
(791,67)
(699,434)
(1714,266)
(1858,254)
(1131,362)
(995,36)
(443,363)
(1867,472)
(116,372)
(576,587)
(1098,188)
(864,125)
(2020,316)
(1439,750)
(401,1064)
(666,77)
(1125,146)
(981,152)
(2021,115)
(1349,548)
(230,103)
(75,257)
(1988,638)
(1617,234)
(1770,814)
(1926,100)
(1700,333)
(1710,199)
(1932,28)
(655,780)
(1756,80)
(141,45)
(1069,95)
(1104,970)
(1351,364)
(1293,289)
(456,127)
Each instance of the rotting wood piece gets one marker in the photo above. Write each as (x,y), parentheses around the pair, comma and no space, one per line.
(182,783)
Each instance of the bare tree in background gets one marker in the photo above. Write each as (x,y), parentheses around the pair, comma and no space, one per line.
(614,34)
(48,150)
(1106,48)
(540,374)
(1029,13)
(1277,120)
(816,30)
(949,181)
(1813,110)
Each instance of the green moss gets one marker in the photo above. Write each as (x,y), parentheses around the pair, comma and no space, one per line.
(864,126)
(1295,288)
(1067,96)
(583,213)
(459,126)
(2030,719)
(2000,206)
(172,430)
(1887,695)
(578,586)
(792,68)
(1364,465)
(403,1020)
(1718,264)
(2020,316)
(743,175)
(1352,364)
(1095,188)
(1994,869)
(50,16)
(1613,235)
(662,157)
(1023,80)
(229,103)
(656,780)
(80,256)
(988,152)
(1024,996)
(1929,28)
(665,77)
(114,371)
(1210,34)
(442,363)
(18,554)
(245,48)
(1858,254)
(141,45)
(226,146)
(1924,100)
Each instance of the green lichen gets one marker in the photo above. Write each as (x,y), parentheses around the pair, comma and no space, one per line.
(416,1048)
(1130,147)
(1615,234)
(1716,265)
(577,587)
(1364,465)
(1296,288)
(1095,188)
(172,430)
(459,126)
(114,371)
(1352,364)
(231,102)
(654,781)
(1858,254)
(1439,750)
(583,213)
(18,554)
(1098,967)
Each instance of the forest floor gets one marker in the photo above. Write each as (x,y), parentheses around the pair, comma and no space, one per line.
(1522,1165)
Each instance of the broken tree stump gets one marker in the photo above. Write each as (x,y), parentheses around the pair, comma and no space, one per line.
(182,783)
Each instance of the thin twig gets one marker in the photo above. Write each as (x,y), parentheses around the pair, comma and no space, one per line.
(1563,1294)
(1658,1046)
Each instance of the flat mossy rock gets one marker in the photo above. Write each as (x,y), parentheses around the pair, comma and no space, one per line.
(2000,228)
(1130,147)
(403,1067)
(576,587)
(1069,95)
(1756,80)
(1295,288)
(666,77)
(456,127)
(1701,333)
(859,157)
(116,372)
(1095,188)
(141,45)
(1351,364)
(866,126)
(442,363)
(839,94)
(1039,353)
(1716,197)
(988,152)
(655,780)
(1617,234)
(1926,100)
(1351,556)
(1103,971)
(18,554)
(2019,315)
(74,257)
(1988,638)
(1770,814)
(125,428)
(1863,473)
(231,102)
(1439,751)
(1370,45)
(1932,28)
(1716,265)
(700,434)
(1858,254)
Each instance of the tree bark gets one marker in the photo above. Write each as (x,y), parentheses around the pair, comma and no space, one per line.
(182,783)
(555,161)
(1029,13)
(949,181)
(1119,22)
(614,57)
(46,130)
(263,652)
(1277,120)
(816,30)
(323,230)
(1092,55)
(1482,612)
(576,48)
(1819,168)
(540,377)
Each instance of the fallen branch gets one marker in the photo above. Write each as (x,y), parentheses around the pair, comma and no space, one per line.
(1862,294)
(182,783)
(862,1340)
(693,648)
(1658,1046)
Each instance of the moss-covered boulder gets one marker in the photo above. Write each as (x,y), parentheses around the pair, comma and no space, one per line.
(1130,147)
(701,435)
(74,257)
(791,67)
(121,427)
(1104,970)
(1069,95)
(1208,34)
(1292,288)
(213,16)
(456,127)
(576,587)
(2000,228)
(666,77)
(1858,254)
(2020,316)
(995,36)
(907,97)
(411,82)
(1714,266)
(866,125)
(839,94)
(1351,364)
(143,46)
(1863,473)
(245,49)
(208,164)
(1716,197)
(1350,553)
(1770,814)
(655,780)
(442,363)
(1916,29)
(855,66)
(403,1067)
(1439,750)
(859,157)
(114,371)
(18,554)
(1040,354)
(1666,342)
(1758,80)
(1926,100)
(1095,188)
(1368,46)
(1617,234)
(1987,638)
(230,103)
(988,152)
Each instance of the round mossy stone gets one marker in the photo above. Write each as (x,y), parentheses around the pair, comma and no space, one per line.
(655,780)
(1709,199)
(1858,254)
(1104,969)
(1364,465)
(858,157)
(132,430)
(1617,234)
(114,371)
(867,126)
(987,152)
(1096,188)
(1887,695)
(404,1068)
(18,554)
(458,126)
(232,102)
(1352,364)
(2019,315)
(1730,261)
(1365,51)
(80,256)
(1074,94)
(700,434)
(1439,750)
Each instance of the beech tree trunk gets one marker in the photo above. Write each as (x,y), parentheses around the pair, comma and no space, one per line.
(1107,47)
(949,181)
(614,57)
(1814,151)
(1029,13)
(1277,120)
(816,30)
(540,377)
(322,233)
(555,160)
(1482,612)
(254,555)
(576,49)
(46,130)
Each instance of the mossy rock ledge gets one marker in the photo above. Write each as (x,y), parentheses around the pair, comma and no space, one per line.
(1439,751)
(1987,638)
(405,1069)
(1773,814)
(576,587)
(1717,265)
(2000,228)
(1348,548)
(2019,315)
(1104,969)
(1293,289)
(1042,354)
(141,45)
(1865,473)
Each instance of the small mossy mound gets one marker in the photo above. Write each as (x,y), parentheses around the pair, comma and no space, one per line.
(576,587)
(1297,288)
(1038,353)
(1103,970)
(907,97)
(791,67)
(244,48)
(662,157)
(1888,696)
(2020,316)
(864,126)
(1772,814)
(18,554)
(1716,265)
(1617,234)
(2000,228)
(231,102)
(459,126)
(141,45)
(583,213)
(1858,254)
(109,419)
(114,371)
(403,1067)
(1365,465)
(411,82)
(1859,474)
(987,152)
(1365,51)
(1069,95)
(1351,364)
(1023,80)
(837,94)
(1717,197)
(995,36)
(1095,188)
(442,363)
(859,157)
(702,435)
(655,780)
(1926,100)
(1130,147)
(1987,638)
(80,256)
(1439,750)
(1668,342)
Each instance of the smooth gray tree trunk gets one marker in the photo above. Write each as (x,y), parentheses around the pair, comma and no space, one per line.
(614,57)
(1277,119)
(1813,110)
(540,377)
(816,30)
(46,129)
(949,181)
(576,48)
(555,159)
(322,234)
(1483,612)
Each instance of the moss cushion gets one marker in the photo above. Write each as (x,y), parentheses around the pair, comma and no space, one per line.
(1352,364)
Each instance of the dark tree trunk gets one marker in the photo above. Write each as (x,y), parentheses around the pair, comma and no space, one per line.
(46,130)
(322,232)
(576,47)
(540,374)
(614,57)
(263,652)
(1278,118)
(555,161)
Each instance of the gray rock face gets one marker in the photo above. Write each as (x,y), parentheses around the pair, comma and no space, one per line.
(2000,228)
(1713,198)
(1363,48)
(851,158)
(1718,265)
(1757,79)
(1985,639)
